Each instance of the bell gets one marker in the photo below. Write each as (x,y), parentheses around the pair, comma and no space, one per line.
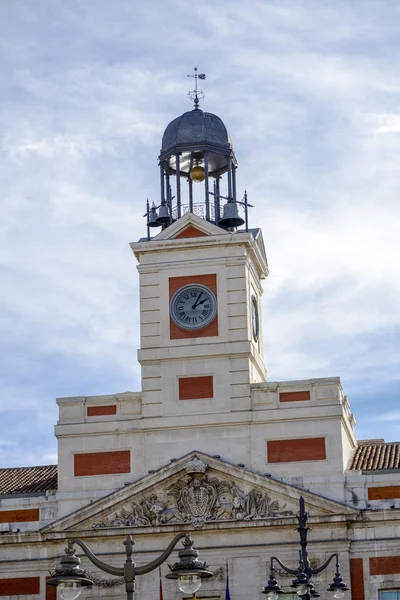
(231,217)
(163,215)
(153,218)
(197,174)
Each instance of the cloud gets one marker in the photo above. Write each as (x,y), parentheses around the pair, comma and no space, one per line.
(310,95)
(390,416)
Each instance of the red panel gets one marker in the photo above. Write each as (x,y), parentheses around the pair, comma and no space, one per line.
(19,586)
(51,591)
(99,411)
(386,492)
(190,232)
(357,579)
(102,463)
(294,396)
(192,388)
(384,565)
(175,283)
(19,516)
(296,450)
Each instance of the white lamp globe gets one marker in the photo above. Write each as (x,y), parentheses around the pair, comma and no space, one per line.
(69,590)
(189,584)
(301,589)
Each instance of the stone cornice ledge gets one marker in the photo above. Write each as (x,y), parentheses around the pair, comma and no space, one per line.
(239,239)
(340,520)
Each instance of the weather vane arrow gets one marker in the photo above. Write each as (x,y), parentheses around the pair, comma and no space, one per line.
(196,94)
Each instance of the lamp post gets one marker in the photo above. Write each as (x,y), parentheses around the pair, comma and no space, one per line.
(302,584)
(70,578)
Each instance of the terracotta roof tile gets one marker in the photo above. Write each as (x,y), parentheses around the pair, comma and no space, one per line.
(377,457)
(28,480)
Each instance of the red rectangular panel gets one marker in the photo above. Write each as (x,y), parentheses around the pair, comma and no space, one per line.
(357,579)
(192,388)
(19,516)
(294,396)
(175,283)
(51,591)
(386,492)
(99,411)
(19,586)
(102,463)
(384,565)
(296,450)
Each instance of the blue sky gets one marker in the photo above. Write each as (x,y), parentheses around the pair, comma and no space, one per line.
(310,93)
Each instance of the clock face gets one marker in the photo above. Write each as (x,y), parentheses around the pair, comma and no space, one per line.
(193,307)
(254,318)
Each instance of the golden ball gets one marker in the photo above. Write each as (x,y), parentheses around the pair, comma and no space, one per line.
(197,174)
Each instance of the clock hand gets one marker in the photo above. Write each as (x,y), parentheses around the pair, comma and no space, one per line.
(202,302)
(197,300)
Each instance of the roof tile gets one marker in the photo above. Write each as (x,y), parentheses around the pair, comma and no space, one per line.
(28,480)
(377,457)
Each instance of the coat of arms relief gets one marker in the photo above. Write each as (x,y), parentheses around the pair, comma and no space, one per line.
(196,498)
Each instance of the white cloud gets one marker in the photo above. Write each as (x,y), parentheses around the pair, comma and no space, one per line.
(387,123)
(310,95)
(390,416)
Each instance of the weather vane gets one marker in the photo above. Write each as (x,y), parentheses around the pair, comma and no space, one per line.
(196,94)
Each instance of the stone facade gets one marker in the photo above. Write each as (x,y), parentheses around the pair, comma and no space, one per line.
(209,446)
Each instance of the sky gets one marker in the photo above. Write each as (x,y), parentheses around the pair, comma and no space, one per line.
(310,94)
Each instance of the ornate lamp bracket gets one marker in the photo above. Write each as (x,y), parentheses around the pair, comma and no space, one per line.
(69,570)
(303,580)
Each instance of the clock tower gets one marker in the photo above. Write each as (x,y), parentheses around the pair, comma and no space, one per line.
(201,343)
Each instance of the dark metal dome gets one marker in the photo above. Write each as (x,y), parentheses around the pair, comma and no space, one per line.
(193,129)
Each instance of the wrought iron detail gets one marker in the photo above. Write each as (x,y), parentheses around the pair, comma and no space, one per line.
(69,565)
(303,583)
(314,563)
(196,94)
(105,583)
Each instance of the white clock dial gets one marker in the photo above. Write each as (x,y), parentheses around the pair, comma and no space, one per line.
(193,306)
(255,318)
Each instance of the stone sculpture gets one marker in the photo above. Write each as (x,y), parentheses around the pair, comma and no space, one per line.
(196,499)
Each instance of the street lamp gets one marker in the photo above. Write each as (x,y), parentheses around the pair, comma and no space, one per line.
(70,578)
(302,584)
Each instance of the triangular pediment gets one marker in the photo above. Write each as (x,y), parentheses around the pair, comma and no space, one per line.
(190,232)
(258,236)
(190,223)
(198,490)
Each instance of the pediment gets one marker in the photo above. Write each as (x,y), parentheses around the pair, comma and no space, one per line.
(198,490)
(258,236)
(190,223)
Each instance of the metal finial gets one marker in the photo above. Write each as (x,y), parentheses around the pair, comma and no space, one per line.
(196,94)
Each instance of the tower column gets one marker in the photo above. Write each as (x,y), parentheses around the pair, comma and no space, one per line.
(206,188)
(178,185)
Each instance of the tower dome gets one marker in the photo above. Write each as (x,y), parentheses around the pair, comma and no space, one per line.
(194,132)
(196,149)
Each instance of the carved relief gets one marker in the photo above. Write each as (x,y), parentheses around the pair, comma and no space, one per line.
(219,574)
(197,499)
